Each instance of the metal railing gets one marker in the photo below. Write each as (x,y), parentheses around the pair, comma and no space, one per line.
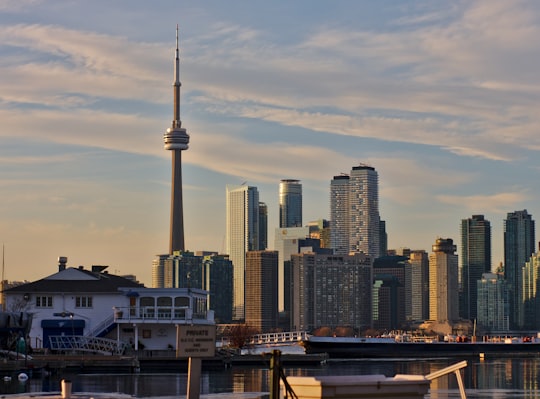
(159,313)
(81,343)
(278,337)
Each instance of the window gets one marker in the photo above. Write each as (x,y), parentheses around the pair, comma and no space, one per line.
(44,302)
(83,301)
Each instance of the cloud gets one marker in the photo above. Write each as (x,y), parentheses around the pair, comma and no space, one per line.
(495,203)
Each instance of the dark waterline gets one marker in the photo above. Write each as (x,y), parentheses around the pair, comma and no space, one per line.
(504,378)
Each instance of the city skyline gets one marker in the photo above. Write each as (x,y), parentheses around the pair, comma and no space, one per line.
(440,99)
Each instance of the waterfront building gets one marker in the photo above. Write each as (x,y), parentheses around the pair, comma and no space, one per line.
(331,290)
(389,301)
(492,307)
(290,203)
(475,260)
(263,226)
(261,290)
(354,212)
(417,286)
(519,244)
(89,304)
(443,282)
(242,235)
(176,140)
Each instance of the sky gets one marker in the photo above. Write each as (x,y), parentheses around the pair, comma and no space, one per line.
(441,98)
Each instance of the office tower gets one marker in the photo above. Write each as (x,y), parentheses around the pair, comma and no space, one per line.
(383,238)
(475,260)
(531,293)
(332,291)
(263,226)
(290,203)
(261,290)
(493,307)
(176,140)
(320,230)
(242,235)
(218,281)
(389,282)
(183,270)
(519,244)
(158,271)
(354,212)
(417,288)
(443,282)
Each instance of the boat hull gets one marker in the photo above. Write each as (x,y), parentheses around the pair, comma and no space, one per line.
(356,348)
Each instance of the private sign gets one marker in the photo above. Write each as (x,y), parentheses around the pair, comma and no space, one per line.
(196,341)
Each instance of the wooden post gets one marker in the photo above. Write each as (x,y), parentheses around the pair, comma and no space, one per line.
(194,378)
(275,367)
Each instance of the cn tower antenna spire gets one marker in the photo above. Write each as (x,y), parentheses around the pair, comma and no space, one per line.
(176,121)
(176,140)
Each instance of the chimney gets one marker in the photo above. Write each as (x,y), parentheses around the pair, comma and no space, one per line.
(62,260)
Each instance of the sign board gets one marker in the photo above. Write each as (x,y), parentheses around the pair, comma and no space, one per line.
(196,341)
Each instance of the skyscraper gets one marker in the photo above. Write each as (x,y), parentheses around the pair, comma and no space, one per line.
(263,226)
(242,235)
(519,244)
(262,290)
(354,210)
(443,282)
(417,286)
(475,260)
(176,140)
(290,203)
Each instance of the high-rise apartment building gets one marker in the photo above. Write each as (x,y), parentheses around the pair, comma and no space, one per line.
(242,235)
(290,203)
(261,290)
(417,286)
(475,260)
(354,212)
(331,290)
(519,244)
(493,308)
(443,282)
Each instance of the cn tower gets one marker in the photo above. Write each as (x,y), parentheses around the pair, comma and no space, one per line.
(176,140)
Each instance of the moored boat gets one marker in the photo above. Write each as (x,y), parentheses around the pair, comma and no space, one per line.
(389,347)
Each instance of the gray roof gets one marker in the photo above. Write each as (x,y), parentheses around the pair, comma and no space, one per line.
(81,281)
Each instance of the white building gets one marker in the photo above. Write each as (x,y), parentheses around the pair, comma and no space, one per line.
(94,303)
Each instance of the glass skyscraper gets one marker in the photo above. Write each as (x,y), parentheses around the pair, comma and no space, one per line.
(290,203)
(242,235)
(475,261)
(519,245)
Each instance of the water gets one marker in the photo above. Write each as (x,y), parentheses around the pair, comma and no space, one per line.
(490,378)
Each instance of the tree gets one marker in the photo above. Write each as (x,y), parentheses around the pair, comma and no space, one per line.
(240,334)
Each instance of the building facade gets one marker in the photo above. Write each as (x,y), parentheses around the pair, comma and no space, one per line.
(290,203)
(531,293)
(443,282)
(332,291)
(475,260)
(417,286)
(389,287)
(354,212)
(263,226)
(493,308)
(519,244)
(262,290)
(242,235)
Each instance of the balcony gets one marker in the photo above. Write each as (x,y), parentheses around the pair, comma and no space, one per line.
(161,315)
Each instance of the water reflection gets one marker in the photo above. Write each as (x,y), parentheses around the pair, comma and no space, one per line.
(497,378)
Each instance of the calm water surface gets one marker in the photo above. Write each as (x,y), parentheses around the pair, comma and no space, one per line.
(491,378)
